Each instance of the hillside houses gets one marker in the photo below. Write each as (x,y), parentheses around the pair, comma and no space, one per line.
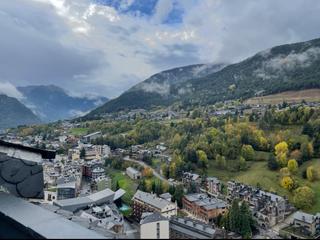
(268,208)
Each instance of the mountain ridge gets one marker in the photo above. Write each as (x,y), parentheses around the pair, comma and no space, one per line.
(13,113)
(281,68)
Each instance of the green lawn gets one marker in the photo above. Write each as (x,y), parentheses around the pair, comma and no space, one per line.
(79,131)
(259,174)
(125,183)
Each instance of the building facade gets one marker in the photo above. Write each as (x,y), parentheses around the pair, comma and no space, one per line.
(154,226)
(147,202)
(203,207)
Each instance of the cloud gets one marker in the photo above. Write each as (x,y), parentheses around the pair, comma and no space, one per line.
(10,90)
(106,46)
(283,63)
(162,10)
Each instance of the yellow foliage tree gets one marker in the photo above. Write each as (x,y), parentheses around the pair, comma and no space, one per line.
(287,183)
(284,172)
(293,166)
(281,151)
(147,172)
(312,174)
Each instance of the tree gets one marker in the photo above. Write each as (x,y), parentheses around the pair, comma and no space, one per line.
(312,174)
(239,219)
(178,195)
(272,163)
(176,141)
(221,161)
(293,166)
(306,151)
(304,198)
(242,163)
(147,172)
(82,153)
(117,186)
(202,159)
(245,221)
(281,151)
(287,183)
(296,154)
(247,152)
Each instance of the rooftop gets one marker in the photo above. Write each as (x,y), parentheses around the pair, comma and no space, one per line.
(41,221)
(196,229)
(205,201)
(152,217)
(151,199)
(305,217)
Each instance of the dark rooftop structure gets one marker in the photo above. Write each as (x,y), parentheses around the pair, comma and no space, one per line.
(21,171)
(45,154)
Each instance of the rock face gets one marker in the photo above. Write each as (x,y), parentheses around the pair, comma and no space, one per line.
(21,178)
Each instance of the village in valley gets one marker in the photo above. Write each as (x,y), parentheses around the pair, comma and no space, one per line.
(129,191)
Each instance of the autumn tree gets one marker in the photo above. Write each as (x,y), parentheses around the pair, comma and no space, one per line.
(312,174)
(304,198)
(287,183)
(293,166)
(147,172)
(281,151)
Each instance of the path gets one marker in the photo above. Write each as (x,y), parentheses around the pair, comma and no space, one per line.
(143,164)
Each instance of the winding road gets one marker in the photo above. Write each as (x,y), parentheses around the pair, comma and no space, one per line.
(143,164)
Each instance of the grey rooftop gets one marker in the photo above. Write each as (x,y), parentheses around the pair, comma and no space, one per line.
(42,221)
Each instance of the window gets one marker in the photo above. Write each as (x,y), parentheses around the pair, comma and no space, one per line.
(158,230)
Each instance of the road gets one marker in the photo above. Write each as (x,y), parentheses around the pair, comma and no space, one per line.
(143,164)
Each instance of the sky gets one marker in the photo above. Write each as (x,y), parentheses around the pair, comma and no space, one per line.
(104,47)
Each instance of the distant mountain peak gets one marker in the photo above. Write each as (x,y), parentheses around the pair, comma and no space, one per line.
(52,103)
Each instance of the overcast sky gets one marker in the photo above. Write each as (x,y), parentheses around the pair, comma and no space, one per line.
(106,46)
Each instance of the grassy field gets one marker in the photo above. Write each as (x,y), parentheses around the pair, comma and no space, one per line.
(79,131)
(125,183)
(259,174)
(310,95)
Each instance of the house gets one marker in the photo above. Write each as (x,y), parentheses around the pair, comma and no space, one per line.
(268,208)
(203,207)
(92,136)
(185,228)
(154,226)
(303,226)
(133,173)
(147,202)
(191,180)
(213,186)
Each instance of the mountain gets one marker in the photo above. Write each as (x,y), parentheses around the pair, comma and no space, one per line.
(157,90)
(282,68)
(13,113)
(52,103)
